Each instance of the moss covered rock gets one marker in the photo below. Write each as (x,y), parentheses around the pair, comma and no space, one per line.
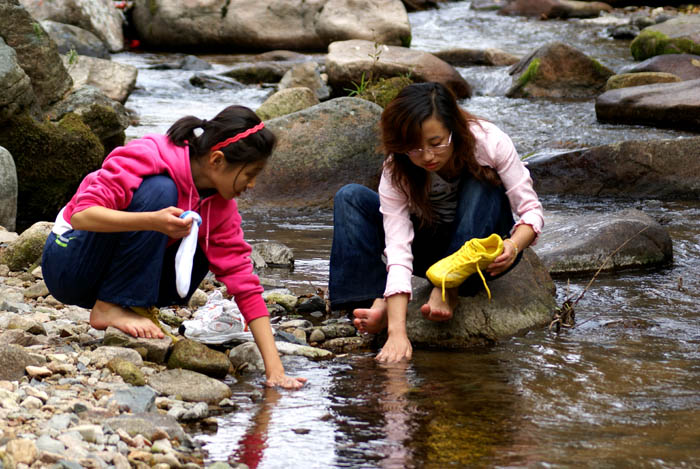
(386,89)
(626,80)
(129,372)
(191,355)
(51,161)
(26,250)
(675,36)
(287,101)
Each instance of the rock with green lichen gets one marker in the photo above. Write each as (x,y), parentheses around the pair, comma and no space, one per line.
(129,372)
(557,70)
(285,102)
(675,36)
(626,80)
(194,356)
(51,161)
(26,250)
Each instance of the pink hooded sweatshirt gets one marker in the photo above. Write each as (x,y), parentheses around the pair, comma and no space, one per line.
(220,234)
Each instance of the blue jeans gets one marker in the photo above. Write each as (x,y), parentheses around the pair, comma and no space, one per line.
(357,272)
(134,268)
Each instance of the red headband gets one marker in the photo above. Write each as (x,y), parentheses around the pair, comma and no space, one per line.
(236,138)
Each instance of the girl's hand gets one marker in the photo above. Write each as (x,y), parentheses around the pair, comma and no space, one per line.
(502,262)
(168,221)
(396,348)
(284,381)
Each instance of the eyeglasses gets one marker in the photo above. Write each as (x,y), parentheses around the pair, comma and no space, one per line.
(434,149)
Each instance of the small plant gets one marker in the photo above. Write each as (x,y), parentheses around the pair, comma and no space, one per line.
(72,56)
(359,87)
(38,30)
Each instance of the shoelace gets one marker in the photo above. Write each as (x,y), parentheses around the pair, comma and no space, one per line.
(465,255)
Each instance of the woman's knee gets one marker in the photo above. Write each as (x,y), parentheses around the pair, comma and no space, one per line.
(154,193)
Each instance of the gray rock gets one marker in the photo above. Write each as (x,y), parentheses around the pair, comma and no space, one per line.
(275,254)
(27,249)
(138,399)
(192,355)
(246,357)
(116,80)
(72,38)
(555,8)
(13,361)
(36,290)
(306,75)
(460,57)
(628,169)
(156,349)
(685,66)
(521,300)
(581,244)
(189,386)
(625,80)
(8,180)
(27,325)
(675,36)
(312,353)
(51,445)
(149,425)
(103,355)
(319,150)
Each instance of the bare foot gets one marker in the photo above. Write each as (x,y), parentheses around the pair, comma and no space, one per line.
(373,319)
(105,314)
(436,309)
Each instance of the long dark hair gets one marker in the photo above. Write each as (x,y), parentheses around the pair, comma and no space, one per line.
(401,124)
(227,123)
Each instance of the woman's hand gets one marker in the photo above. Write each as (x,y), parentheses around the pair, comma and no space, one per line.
(396,348)
(284,381)
(502,262)
(168,221)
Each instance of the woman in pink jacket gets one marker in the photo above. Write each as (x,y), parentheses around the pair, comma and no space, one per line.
(113,245)
(448,177)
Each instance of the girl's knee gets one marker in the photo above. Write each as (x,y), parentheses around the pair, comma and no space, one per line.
(154,193)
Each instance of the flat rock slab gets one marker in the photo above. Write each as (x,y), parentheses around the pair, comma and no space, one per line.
(522,299)
(189,386)
(582,244)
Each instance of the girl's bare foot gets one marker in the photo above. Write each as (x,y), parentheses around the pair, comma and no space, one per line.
(436,309)
(105,314)
(373,319)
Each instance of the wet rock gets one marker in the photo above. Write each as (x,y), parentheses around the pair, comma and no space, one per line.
(665,105)
(306,75)
(311,304)
(189,385)
(557,70)
(27,249)
(685,66)
(191,355)
(347,344)
(625,80)
(522,299)
(547,9)
(8,188)
(275,254)
(624,31)
(156,349)
(333,331)
(312,353)
(581,244)
(347,61)
(285,102)
(319,150)
(192,62)
(258,72)
(97,16)
(214,82)
(317,335)
(627,169)
(114,79)
(72,38)
(459,57)
(246,357)
(279,297)
(675,36)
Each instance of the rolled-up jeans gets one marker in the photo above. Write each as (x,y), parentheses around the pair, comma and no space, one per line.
(357,271)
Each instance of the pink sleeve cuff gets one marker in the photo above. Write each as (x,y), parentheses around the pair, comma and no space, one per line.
(252,307)
(398,281)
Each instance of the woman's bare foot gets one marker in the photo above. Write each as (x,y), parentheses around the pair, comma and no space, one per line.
(105,314)
(373,319)
(436,309)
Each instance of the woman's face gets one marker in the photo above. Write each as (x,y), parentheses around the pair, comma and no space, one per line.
(436,146)
(231,180)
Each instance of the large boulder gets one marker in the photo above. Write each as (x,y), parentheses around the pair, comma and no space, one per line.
(8,190)
(320,149)
(522,299)
(547,9)
(557,70)
(628,239)
(667,105)
(51,161)
(685,66)
(100,17)
(349,62)
(275,24)
(114,79)
(16,93)
(72,38)
(675,36)
(663,169)
(37,54)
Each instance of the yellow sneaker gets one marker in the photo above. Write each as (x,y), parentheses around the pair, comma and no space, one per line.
(476,254)
(152,314)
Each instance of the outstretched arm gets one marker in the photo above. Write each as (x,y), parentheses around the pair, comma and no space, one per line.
(274,370)
(397,346)
(107,220)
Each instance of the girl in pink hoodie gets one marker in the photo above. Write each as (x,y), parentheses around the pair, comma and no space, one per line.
(113,245)
(448,177)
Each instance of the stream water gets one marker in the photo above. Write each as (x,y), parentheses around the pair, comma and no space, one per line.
(621,389)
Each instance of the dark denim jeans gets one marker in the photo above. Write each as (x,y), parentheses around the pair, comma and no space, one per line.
(134,268)
(357,272)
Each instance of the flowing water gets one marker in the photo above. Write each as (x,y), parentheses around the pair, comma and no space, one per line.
(622,389)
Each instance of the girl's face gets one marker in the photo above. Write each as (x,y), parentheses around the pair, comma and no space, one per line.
(232,180)
(436,146)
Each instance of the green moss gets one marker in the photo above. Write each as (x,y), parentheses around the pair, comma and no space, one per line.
(601,69)
(386,89)
(406,41)
(102,120)
(530,73)
(652,43)
(153,7)
(51,160)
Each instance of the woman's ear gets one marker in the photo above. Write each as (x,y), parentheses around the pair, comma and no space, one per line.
(216,159)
